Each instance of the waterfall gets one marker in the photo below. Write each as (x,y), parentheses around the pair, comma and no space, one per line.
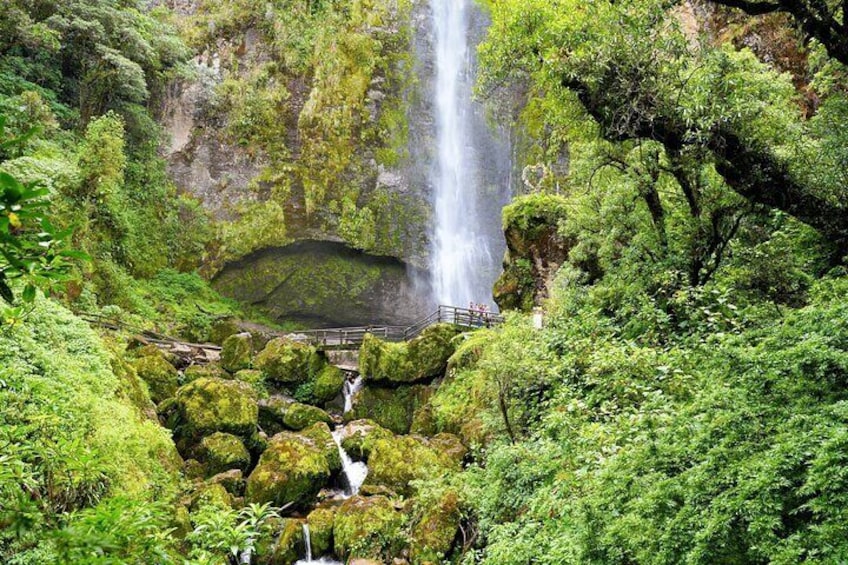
(307,541)
(471,179)
(350,389)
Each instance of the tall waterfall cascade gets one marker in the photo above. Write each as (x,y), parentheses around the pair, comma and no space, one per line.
(471,175)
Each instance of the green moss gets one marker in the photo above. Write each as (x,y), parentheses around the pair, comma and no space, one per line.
(222,329)
(294,467)
(359,437)
(161,377)
(289,362)
(328,384)
(391,408)
(237,352)
(221,452)
(435,529)
(298,416)
(395,462)
(423,357)
(289,546)
(213,405)
(254,378)
(368,528)
(194,372)
(320,523)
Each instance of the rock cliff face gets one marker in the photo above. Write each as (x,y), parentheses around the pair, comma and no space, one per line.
(307,124)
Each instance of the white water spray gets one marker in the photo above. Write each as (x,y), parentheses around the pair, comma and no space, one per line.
(463,260)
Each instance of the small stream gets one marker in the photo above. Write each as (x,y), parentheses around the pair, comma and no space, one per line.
(353,472)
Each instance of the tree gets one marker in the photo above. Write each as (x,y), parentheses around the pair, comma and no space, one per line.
(634,72)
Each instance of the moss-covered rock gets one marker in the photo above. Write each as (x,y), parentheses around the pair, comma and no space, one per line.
(289,362)
(221,452)
(222,329)
(535,250)
(294,467)
(278,413)
(434,531)
(194,372)
(206,406)
(422,358)
(329,383)
(395,462)
(368,528)
(359,436)
(449,445)
(299,416)
(232,481)
(320,523)
(237,352)
(161,377)
(211,494)
(253,377)
(290,543)
(391,408)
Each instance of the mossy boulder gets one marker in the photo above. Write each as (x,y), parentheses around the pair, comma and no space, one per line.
(232,481)
(359,436)
(290,544)
(222,329)
(214,494)
(329,383)
(194,372)
(289,362)
(320,523)
(449,445)
(395,462)
(433,534)
(294,467)
(253,377)
(237,352)
(391,408)
(278,413)
(161,377)
(368,527)
(424,357)
(206,406)
(221,452)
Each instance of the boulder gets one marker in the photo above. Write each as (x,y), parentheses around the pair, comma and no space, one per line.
(329,383)
(421,358)
(294,467)
(232,481)
(433,533)
(370,526)
(392,408)
(161,377)
(194,372)
(359,436)
(395,462)
(253,377)
(278,413)
(206,406)
(289,546)
(289,362)
(221,452)
(237,352)
(222,329)
(320,523)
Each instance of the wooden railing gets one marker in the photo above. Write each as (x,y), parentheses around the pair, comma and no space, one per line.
(343,338)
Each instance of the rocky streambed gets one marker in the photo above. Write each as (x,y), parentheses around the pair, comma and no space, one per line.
(339,453)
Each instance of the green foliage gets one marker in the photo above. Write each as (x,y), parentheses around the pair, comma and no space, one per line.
(71,441)
(223,533)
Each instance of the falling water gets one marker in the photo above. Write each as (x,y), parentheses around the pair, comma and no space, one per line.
(350,389)
(354,471)
(467,240)
(307,541)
